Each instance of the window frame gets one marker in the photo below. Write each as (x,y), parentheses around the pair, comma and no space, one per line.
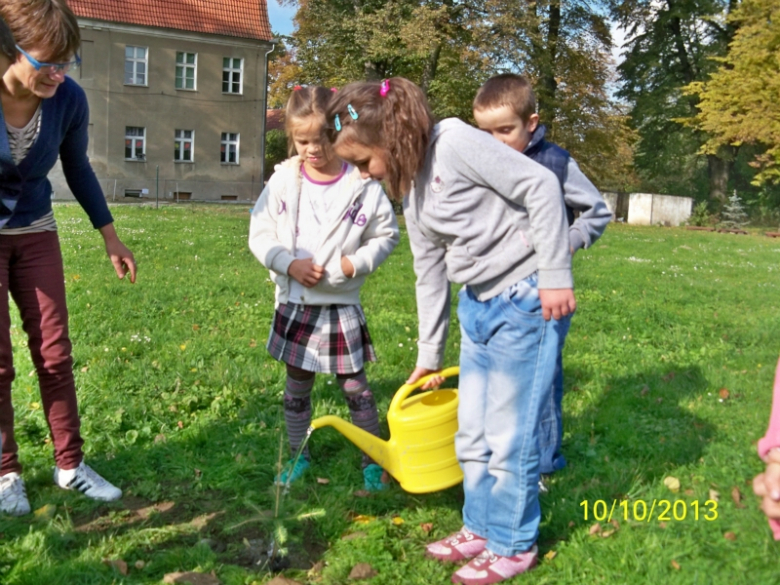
(179,141)
(134,139)
(135,60)
(186,66)
(231,70)
(224,141)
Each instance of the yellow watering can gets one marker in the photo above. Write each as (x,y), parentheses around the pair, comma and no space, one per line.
(421,451)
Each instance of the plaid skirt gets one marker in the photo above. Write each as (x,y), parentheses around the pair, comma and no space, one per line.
(333,339)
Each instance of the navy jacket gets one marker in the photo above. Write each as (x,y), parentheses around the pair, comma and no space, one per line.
(550,156)
(64,123)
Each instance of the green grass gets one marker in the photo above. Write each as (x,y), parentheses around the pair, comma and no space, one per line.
(181,407)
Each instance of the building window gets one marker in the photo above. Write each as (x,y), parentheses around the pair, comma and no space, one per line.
(135,143)
(229,148)
(186,68)
(136,65)
(232,72)
(183,145)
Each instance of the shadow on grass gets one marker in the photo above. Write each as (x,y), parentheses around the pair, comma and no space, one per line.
(635,434)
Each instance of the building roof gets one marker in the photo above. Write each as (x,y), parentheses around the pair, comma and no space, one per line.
(274,120)
(235,18)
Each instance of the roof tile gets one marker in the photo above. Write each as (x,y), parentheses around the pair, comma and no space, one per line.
(234,18)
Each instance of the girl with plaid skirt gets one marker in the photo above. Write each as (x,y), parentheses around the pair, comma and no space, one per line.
(320,229)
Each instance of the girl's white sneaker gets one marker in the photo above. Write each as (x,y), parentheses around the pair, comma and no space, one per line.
(88,481)
(13,497)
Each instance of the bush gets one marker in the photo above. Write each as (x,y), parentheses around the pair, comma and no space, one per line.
(275,150)
(701,215)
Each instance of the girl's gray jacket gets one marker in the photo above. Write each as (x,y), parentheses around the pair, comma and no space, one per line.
(366,231)
(483,215)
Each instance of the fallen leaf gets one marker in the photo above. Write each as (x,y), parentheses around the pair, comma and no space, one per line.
(672,483)
(363,519)
(191,578)
(85,369)
(45,513)
(426,527)
(195,327)
(645,390)
(118,564)
(659,400)
(723,393)
(550,555)
(675,565)
(714,496)
(180,424)
(689,492)
(160,438)
(362,571)
(282,580)
(253,343)
(662,524)
(730,536)
(397,520)
(200,522)
(668,377)
(354,535)
(316,569)
(140,564)
(615,524)
(361,493)
(323,480)
(607,533)
(595,529)
(571,523)
(737,497)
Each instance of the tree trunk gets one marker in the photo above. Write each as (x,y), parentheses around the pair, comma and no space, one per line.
(719,178)
(430,68)
(548,86)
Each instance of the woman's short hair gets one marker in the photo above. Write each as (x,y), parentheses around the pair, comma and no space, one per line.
(46,25)
(7,42)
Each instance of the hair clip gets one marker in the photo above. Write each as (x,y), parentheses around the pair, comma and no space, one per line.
(337,123)
(334,89)
(297,87)
(384,88)
(352,112)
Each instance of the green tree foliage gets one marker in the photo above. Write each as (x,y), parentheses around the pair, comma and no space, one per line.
(740,103)
(450,47)
(671,45)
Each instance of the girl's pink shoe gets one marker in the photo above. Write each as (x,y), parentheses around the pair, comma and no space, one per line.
(456,547)
(490,568)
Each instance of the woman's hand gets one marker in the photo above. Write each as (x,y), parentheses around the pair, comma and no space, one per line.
(767,485)
(306,272)
(419,372)
(120,255)
(347,268)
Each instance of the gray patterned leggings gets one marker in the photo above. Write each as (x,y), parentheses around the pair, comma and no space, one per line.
(297,405)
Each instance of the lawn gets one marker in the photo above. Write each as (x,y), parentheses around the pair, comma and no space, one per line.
(669,368)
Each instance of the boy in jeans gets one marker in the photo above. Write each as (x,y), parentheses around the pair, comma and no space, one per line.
(505,107)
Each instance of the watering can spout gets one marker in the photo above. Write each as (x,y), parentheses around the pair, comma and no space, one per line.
(379,450)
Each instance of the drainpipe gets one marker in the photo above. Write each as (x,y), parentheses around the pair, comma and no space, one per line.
(265,113)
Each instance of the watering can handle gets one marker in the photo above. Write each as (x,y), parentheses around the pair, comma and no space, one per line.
(405,390)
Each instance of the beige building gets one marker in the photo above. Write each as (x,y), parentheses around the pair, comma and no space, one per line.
(177,97)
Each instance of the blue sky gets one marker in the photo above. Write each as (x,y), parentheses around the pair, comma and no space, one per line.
(281,17)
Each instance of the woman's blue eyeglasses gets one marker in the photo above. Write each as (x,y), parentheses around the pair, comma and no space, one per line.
(49,68)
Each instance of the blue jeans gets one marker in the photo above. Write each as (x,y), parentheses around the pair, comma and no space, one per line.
(507,363)
(551,422)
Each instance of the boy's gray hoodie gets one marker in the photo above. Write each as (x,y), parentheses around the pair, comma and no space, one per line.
(482,215)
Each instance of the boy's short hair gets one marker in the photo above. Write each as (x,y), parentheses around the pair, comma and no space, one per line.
(7,43)
(507,89)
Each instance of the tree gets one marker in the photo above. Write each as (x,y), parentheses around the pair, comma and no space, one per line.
(740,103)
(670,46)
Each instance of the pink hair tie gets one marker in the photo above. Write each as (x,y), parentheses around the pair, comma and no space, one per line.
(384,88)
(297,87)
(333,89)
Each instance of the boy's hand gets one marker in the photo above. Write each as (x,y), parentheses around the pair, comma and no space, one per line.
(557,302)
(767,485)
(306,272)
(347,268)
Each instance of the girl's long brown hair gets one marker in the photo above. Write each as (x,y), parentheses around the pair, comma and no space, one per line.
(400,123)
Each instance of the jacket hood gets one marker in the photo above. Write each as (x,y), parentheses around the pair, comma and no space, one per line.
(536,138)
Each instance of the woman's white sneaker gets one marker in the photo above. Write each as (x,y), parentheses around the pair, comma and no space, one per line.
(13,497)
(87,481)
